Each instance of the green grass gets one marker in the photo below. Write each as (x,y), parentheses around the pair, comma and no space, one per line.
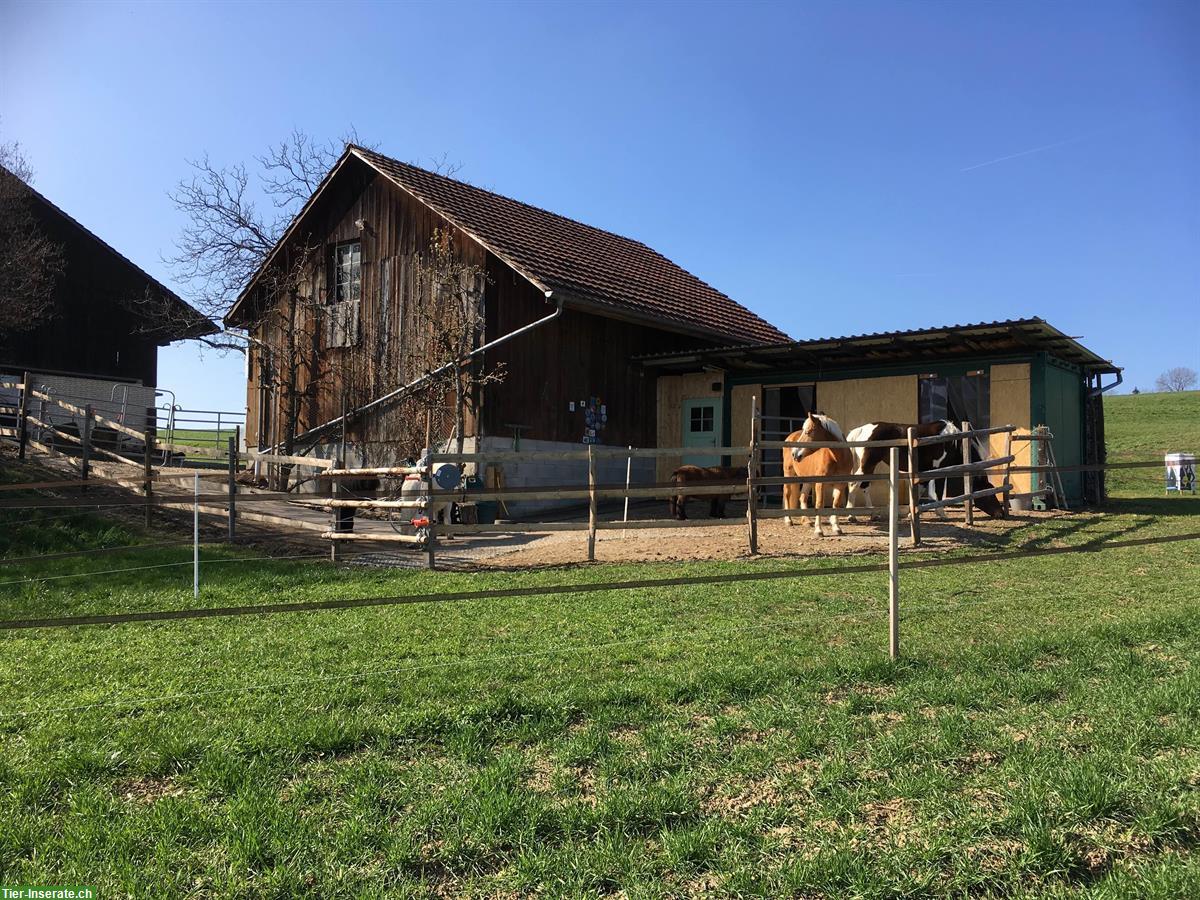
(1041,735)
(1145,427)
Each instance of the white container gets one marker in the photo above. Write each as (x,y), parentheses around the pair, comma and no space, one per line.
(1181,472)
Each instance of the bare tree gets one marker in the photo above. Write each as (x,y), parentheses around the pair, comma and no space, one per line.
(30,261)
(236,216)
(1180,378)
(450,317)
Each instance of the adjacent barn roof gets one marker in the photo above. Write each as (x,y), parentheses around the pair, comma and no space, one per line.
(932,345)
(165,316)
(593,268)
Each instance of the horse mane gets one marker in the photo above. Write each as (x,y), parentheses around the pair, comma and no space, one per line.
(831,426)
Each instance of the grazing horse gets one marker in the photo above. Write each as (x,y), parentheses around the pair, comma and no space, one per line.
(823,461)
(929,458)
(685,475)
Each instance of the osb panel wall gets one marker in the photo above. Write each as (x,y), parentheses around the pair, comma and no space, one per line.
(672,391)
(1010,386)
(856,401)
(741,403)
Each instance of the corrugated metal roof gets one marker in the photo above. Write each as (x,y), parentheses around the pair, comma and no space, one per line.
(931,344)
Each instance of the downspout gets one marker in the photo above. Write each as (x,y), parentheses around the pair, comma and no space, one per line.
(413,385)
(1097,391)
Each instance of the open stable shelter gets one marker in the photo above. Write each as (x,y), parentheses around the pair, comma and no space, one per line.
(1022,372)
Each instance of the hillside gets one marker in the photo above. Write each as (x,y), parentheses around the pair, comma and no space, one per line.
(1146,426)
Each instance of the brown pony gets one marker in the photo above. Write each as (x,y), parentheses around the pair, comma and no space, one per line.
(821,461)
(685,474)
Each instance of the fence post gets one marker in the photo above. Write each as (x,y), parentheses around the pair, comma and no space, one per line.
(23,417)
(914,487)
(968,477)
(86,445)
(233,469)
(591,543)
(893,542)
(751,470)
(148,463)
(1008,442)
(628,478)
(196,539)
(430,559)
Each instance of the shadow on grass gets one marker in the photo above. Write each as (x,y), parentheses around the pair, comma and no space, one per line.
(1153,506)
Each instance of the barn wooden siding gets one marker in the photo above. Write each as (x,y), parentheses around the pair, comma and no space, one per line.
(93,331)
(397,231)
(575,358)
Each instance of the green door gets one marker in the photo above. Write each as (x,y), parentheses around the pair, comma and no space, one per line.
(701,429)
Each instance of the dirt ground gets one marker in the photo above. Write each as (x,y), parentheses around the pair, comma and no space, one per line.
(727,539)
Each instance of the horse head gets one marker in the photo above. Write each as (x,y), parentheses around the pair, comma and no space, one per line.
(817,427)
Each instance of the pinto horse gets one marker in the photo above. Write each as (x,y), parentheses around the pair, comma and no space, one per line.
(929,458)
(823,461)
(699,474)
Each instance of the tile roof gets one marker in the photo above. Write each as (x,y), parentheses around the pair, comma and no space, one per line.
(562,255)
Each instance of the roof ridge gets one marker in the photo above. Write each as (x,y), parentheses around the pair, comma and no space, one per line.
(483,190)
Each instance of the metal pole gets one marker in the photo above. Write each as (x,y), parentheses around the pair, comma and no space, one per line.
(23,417)
(628,475)
(1008,442)
(591,543)
(751,471)
(196,539)
(233,467)
(914,487)
(148,461)
(893,543)
(430,560)
(968,476)
(86,443)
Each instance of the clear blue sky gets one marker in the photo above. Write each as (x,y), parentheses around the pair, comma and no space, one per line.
(837,167)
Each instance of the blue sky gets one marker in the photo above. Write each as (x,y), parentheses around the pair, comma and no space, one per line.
(837,167)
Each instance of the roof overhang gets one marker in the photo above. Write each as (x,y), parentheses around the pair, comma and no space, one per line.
(994,339)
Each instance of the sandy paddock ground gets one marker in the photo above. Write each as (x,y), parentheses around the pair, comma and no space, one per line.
(727,539)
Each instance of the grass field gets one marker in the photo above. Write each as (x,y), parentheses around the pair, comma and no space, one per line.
(1147,426)
(1041,735)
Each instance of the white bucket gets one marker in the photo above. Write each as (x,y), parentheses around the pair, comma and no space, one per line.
(1181,472)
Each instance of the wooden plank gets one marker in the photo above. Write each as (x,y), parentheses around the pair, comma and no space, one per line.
(381,538)
(518,527)
(956,501)
(313,462)
(978,432)
(383,472)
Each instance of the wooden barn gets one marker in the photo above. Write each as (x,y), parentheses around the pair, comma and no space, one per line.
(565,308)
(100,335)
(1023,372)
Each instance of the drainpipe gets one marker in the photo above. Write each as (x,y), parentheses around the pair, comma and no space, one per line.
(1097,391)
(413,385)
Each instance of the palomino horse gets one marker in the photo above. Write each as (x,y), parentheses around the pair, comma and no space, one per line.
(823,461)
(929,458)
(685,475)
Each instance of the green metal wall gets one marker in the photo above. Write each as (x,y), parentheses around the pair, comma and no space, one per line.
(1058,395)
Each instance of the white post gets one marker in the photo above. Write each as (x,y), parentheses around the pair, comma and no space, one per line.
(628,476)
(893,541)
(196,540)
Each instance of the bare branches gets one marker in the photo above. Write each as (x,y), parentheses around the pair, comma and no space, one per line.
(1180,378)
(30,262)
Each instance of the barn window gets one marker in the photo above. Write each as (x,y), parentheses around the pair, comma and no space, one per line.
(959,398)
(702,418)
(346,283)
